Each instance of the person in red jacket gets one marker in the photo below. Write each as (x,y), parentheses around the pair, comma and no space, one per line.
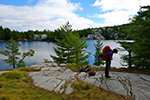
(108,62)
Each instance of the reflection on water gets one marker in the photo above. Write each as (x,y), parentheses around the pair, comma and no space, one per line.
(44,49)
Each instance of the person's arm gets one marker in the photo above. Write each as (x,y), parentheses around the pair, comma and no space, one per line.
(110,55)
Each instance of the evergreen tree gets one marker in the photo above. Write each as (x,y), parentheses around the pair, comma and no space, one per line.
(141,46)
(70,47)
(98,48)
(62,50)
(139,30)
(127,58)
(78,48)
(13,52)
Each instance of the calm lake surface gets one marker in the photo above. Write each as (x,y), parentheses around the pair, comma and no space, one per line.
(44,49)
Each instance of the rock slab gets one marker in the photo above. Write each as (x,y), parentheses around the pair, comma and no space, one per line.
(51,77)
(136,86)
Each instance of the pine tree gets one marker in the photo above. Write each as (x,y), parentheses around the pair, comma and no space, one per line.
(128,59)
(139,30)
(98,48)
(70,47)
(141,46)
(62,50)
(13,52)
(78,49)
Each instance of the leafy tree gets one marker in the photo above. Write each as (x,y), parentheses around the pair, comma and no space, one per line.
(98,47)
(13,52)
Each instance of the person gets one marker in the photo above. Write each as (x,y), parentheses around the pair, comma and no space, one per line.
(108,62)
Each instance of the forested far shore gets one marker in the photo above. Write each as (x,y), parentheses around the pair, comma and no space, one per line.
(110,33)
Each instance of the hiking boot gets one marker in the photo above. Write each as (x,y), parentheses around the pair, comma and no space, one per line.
(107,76)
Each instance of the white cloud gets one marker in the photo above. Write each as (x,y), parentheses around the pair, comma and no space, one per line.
(46,14)
(116,12)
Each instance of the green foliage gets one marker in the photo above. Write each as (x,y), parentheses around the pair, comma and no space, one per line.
(63,49)
(140,32)
(81,86)
(13,52)
(78,46)
(72,66)
(114,32)
(70,47)
(142,41)
(98,48)
(127,58)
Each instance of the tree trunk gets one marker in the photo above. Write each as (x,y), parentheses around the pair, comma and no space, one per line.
(13,63)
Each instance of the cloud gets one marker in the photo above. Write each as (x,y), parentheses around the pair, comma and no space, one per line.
(46,14)
(116,12)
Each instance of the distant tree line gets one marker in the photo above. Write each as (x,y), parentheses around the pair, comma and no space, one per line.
(6,34)
(113,33)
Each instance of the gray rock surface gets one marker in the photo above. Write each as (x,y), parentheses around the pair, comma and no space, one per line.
(135,85)
(127,84)
(51,77)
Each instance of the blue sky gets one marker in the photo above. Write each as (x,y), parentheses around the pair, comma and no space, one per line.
(26,15)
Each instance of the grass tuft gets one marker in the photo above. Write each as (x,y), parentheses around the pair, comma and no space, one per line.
(29,69)
(13,75)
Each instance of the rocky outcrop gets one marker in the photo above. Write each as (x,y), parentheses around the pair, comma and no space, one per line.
(51,77)
(54,77)
(136,86)
(96,35)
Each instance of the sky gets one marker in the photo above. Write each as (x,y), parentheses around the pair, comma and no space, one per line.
(23,15)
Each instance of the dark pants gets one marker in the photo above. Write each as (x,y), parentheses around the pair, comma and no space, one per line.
(108,63)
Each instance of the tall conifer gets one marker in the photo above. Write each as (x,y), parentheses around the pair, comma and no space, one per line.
(98,48)
(70,47)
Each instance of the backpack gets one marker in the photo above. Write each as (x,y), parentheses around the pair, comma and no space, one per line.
(105,50)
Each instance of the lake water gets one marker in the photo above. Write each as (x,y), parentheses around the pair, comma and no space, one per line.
(44,49)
